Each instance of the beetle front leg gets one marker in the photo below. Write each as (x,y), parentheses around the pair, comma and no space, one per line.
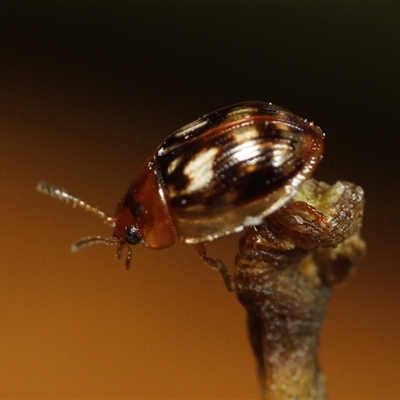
(201,250)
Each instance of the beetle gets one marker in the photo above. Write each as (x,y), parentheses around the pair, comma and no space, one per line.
(215,176)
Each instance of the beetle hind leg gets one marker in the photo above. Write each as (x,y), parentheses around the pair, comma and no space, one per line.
(201,250)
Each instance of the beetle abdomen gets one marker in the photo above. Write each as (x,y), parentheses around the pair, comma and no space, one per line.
(231,168)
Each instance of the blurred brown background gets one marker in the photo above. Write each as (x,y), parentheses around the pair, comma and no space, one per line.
(88,90)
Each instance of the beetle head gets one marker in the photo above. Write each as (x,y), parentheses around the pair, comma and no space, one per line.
(142,214)
(127,221)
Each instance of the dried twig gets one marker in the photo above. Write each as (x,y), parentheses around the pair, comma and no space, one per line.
(284,275)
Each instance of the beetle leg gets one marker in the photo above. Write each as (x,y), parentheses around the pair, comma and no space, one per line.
(201,250)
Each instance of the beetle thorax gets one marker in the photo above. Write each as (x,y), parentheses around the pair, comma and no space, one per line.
(143,209)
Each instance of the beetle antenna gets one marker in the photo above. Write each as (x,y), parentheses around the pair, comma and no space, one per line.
(91,240)
(63,195)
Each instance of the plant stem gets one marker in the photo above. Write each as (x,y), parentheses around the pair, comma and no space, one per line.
(284,276)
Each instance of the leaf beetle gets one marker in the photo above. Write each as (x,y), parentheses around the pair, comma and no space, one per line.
(215,176)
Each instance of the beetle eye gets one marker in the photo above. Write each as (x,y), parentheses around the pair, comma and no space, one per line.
(131,235)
